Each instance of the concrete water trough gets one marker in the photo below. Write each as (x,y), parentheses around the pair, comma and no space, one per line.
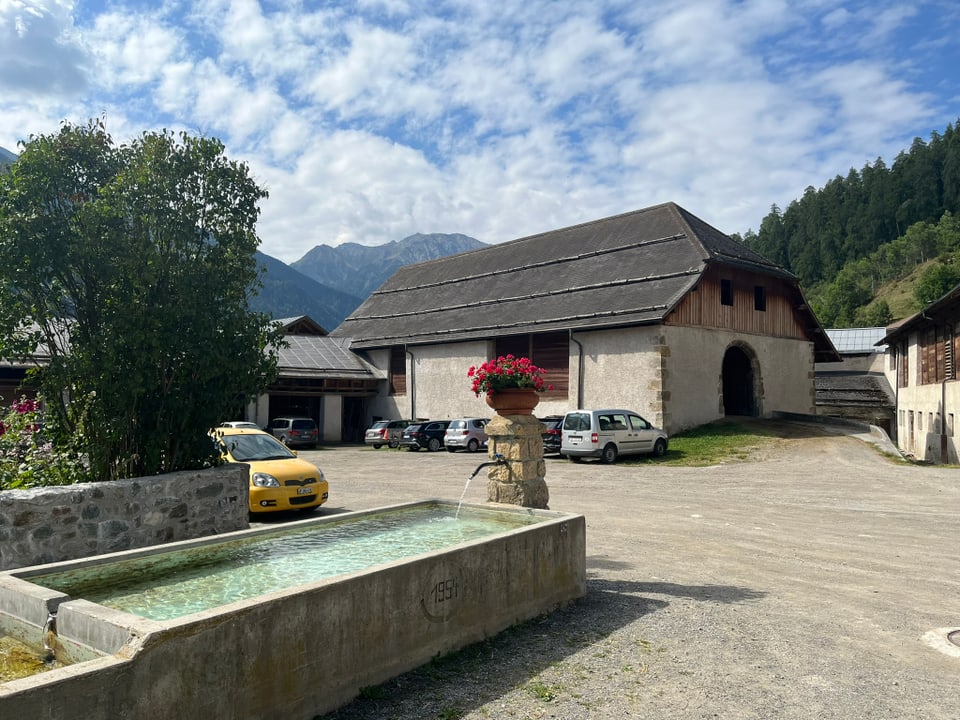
(297,651)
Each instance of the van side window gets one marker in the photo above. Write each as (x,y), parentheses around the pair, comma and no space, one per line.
(618,422)
(638,423)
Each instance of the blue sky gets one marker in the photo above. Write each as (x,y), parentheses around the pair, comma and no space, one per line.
(372,120)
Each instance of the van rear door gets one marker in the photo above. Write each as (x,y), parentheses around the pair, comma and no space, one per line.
(575,431)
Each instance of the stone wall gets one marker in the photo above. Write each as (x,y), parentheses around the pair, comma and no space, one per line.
(43,525)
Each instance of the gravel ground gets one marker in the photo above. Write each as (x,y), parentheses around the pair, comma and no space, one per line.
(816,579)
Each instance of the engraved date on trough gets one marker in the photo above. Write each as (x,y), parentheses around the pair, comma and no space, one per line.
(441,599)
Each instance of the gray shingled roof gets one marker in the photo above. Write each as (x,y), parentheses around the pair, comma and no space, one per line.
(629,269)
(853,390)
(321,356)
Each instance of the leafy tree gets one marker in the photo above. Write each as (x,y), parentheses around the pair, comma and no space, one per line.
(130,266)
(937,280)
(876,314)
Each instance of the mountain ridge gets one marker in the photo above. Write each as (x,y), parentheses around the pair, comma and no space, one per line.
(328,283)
(361,269)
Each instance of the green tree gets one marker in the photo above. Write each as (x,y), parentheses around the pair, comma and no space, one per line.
(937,280)
(876,314)
(130,266)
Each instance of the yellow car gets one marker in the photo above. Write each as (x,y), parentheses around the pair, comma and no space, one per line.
(279,480)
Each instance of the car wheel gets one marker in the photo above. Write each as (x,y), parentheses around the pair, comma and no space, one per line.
(659,448)
(377,447)
(433,445)
(609,454)
(393,444)
(282,439)
(473,446)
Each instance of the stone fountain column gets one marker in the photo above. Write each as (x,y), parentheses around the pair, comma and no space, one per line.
(519,480)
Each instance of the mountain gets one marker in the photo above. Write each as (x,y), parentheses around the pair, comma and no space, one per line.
(360,269)
(288,293)
(6,158)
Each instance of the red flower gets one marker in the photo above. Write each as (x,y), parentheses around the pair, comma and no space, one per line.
(506,372)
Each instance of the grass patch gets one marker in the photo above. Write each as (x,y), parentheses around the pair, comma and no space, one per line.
(543,691)
(712,444)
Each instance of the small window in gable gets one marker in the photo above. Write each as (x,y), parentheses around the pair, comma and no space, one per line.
(760,298)
(726,292)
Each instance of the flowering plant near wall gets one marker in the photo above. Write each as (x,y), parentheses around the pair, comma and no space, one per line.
(504,373)
(27,457)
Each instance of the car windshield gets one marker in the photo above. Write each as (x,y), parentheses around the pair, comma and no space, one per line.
(303,425)
(379,425)
(248,448)
(457,425)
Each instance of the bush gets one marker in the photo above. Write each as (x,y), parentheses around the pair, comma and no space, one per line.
(27,457)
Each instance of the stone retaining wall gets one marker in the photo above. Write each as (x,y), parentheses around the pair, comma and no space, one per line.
(43,525)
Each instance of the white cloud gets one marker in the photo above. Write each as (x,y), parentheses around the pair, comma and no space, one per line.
(131,49)
(40,54)
(374,120)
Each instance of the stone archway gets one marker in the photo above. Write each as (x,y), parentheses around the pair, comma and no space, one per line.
(741,375)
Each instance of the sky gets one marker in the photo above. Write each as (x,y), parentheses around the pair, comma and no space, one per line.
(371,120)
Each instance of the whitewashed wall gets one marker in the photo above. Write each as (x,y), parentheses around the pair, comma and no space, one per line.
(670,375)
(621,369)
(934,409)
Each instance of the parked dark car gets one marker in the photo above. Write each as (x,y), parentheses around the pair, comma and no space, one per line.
(427,435)
(295,431)
(552,436)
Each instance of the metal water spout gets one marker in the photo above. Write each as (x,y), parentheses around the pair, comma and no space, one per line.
(498,459)
(49,637)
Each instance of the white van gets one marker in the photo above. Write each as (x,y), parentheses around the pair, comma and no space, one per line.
(607,434)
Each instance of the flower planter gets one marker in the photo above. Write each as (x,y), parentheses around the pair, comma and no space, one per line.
(513,401)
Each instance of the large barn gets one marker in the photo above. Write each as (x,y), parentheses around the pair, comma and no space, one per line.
(652,310)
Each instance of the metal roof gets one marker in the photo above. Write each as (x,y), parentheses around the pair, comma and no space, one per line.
(322,356)
(849,341)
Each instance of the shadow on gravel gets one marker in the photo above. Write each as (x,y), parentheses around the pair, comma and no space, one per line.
(454,685)
(714,593)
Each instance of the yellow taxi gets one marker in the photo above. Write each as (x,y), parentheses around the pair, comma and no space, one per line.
(279,480)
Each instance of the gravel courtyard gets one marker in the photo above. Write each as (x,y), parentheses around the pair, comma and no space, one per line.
(817,579)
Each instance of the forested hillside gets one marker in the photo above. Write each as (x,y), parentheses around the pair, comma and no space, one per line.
(873,227)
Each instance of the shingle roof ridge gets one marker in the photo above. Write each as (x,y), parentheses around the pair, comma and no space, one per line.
(520,268)
(496,246)
(719,245)
(527,296)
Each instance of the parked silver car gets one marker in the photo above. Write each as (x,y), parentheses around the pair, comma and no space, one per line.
(466,434)
(385,432)
(607,434)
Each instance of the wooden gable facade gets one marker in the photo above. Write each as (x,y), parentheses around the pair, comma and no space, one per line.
(743,301)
